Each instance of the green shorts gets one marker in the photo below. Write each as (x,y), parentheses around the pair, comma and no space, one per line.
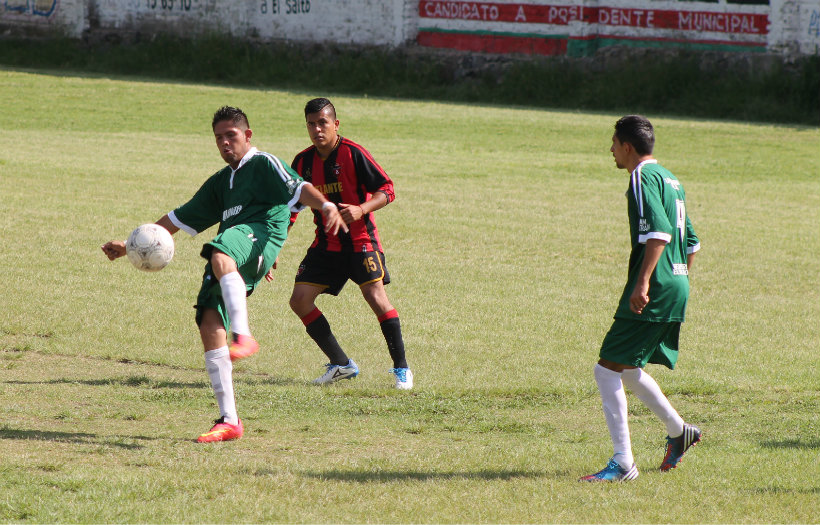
(636,343)
(254,250)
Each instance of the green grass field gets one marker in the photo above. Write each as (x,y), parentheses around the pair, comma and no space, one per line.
(508,246)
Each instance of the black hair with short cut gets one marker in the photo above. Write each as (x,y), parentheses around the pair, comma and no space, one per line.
(638,131)
(318,104)
(231,114)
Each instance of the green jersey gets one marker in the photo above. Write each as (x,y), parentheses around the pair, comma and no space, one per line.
(261,190)
(657,210)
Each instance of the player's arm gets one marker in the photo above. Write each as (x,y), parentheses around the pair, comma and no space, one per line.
(312,197)
(652,254)
(692,243)
(116,249)
(374,179)
(354,212)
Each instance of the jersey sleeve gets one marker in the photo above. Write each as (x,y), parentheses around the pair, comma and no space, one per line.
(289,181)
(296,167)
(692,240)
(371,175)
(201,212)
(653,221)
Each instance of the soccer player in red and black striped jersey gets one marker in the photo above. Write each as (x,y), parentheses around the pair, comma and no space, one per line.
(351,180)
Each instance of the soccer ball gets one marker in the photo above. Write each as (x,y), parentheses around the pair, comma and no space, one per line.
(150,247)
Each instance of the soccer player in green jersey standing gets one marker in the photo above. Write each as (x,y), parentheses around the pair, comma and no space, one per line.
(251,199)
(653,303)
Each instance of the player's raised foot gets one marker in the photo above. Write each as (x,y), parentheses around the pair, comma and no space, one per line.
(242,346)
(676,447)
(337,373)
(613,472)
(404,378)
(222,431)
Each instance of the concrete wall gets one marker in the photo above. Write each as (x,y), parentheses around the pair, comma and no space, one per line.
(568,27)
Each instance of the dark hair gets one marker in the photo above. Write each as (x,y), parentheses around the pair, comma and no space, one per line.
(638,131)
(318,104)
(231,114)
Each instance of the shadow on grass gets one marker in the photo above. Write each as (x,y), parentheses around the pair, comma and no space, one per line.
(127,381)
(811,444)
(266,380)
(73,437)
(361,476)
(784,490)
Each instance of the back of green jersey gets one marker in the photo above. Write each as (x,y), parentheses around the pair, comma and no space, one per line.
(657,210)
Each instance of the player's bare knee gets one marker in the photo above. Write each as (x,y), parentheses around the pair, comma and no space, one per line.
(301,304)
(222,263)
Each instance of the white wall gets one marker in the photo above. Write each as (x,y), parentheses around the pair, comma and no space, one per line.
(65,17)
(795,26)
(342,21)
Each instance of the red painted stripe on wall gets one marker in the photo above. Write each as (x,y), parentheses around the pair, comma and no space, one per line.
(494,43)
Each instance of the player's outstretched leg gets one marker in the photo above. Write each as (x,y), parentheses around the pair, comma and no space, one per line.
(676,447)
(234,295)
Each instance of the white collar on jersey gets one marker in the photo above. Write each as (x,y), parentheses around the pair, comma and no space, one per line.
(647,161)
(251,152)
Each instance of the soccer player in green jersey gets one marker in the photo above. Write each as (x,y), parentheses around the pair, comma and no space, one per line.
(251,199)
(653,303)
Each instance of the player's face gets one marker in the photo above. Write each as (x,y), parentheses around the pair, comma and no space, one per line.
(323,129)
(233,141)
(618,152)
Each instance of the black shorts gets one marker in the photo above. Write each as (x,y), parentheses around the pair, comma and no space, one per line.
(331,270)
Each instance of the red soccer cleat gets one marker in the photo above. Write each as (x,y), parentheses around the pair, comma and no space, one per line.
(242,346)
(222,431)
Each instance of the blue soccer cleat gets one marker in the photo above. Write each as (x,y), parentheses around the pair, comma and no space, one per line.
(613,472)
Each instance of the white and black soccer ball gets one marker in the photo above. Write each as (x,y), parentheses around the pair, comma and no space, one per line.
(150,247)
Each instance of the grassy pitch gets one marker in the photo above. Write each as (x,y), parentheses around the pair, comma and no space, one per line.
(508,246)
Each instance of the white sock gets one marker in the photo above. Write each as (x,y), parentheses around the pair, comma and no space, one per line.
(613,399)
(648,391)
(235,297)
(220,370)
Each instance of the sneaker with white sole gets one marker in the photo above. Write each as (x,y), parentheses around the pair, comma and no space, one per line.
(613,472)
(404,378)
(337,373)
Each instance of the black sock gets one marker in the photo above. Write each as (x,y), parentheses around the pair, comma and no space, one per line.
(319,331)
(391,328)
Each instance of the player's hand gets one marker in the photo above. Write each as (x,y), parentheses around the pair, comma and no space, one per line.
(113,249)
(639,298)
(269,275)
(351,212)
(333,220)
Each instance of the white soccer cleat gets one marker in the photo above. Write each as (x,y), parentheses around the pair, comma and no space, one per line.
(337,373)
(404,378)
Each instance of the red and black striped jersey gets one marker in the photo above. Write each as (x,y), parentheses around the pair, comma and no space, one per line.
(349,175)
